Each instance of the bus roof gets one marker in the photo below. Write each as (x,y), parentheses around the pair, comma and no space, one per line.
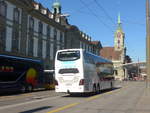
(96,57)
(20,58)
(99,58)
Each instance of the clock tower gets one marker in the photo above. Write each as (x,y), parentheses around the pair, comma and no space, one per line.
(119,37)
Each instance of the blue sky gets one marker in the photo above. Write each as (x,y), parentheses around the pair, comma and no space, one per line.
(100,21)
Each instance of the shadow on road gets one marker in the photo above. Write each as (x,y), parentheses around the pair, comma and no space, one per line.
(36,109)
(12,93)
(90,94)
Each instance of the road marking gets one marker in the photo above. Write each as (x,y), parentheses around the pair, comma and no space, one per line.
(63,108)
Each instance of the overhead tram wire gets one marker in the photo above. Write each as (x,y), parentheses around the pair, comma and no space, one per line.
(105,12)
(96,16)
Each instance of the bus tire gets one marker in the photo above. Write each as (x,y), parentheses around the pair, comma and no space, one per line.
(23,89)
(111,86)
(98,89)
(94,89)
(29,88)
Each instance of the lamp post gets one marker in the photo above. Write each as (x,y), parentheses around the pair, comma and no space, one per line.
(148,41)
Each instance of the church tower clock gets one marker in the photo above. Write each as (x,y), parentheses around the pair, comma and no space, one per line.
(119,37)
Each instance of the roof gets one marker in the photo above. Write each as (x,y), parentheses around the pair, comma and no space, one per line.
(96,43)
(110,53)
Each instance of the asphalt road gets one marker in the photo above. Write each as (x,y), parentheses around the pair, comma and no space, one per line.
(125,98)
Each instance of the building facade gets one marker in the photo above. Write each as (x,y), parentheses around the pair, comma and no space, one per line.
(77,39)
(27,29)
(117,53)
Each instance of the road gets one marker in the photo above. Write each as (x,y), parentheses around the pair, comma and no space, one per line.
(125,99)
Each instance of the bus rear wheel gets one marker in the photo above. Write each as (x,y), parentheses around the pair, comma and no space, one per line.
(94,89)
(98,89)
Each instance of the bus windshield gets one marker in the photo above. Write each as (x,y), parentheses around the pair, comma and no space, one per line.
(68,55)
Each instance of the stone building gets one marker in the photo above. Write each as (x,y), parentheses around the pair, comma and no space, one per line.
(77,39)
(27,29)
(117,53)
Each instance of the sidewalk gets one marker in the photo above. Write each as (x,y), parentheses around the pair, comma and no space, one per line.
(143,105)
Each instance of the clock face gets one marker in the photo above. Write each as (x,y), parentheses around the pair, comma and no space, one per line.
(119,34)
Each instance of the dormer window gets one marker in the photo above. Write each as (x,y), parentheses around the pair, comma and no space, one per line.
(36,6)
(58,20)
(52,16)
(43,11)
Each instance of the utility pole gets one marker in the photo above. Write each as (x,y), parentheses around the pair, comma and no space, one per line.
(138,71)
(148,42)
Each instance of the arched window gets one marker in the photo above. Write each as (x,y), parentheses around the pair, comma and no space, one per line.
(3,9)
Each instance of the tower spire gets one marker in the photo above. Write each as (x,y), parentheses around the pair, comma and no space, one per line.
(119,20)
(56,7)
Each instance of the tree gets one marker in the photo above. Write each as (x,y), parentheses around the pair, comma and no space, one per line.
(128,59)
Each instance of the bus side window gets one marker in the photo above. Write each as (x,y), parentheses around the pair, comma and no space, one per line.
(86,59)
(91,60)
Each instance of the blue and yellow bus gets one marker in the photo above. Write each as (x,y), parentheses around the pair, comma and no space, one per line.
(20,74)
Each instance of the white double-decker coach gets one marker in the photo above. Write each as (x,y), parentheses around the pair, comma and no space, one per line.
(78,71)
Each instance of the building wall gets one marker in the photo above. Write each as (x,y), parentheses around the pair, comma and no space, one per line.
(24,35)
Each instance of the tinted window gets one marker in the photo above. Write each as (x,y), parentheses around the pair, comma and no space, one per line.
(68,55)
(69,70)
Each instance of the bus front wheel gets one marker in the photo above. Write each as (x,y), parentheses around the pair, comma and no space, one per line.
(29,88)
(23,89)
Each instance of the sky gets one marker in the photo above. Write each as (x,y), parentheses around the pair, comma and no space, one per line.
(98,19)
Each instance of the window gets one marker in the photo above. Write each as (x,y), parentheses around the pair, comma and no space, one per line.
(16,15)
(31,23)
(48,48)
(15,40)
(31,34)
(61,37)
(2,38)
(68,70)
(68,55)
(40,27)
(55,42)
(15,34)
(48,31)
(48,42)
(3,9)
(30,46)
(55,34)
(40,47)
